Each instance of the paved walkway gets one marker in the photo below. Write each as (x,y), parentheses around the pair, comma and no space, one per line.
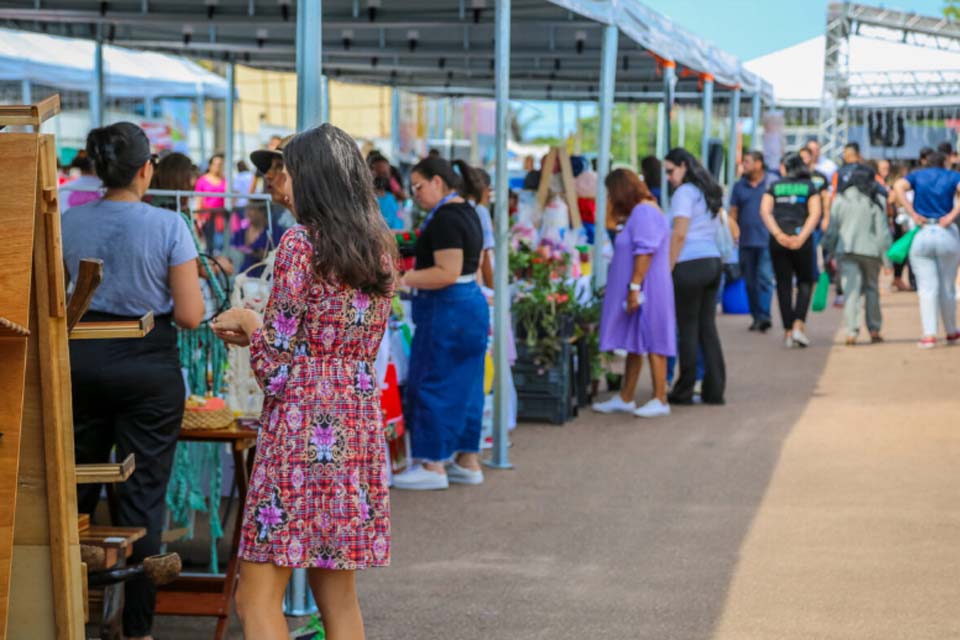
(821,502)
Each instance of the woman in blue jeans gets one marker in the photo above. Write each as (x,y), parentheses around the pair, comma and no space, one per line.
(697,271)
(444,403)
(935,252)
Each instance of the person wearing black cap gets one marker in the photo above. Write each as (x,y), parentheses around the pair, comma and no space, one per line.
(129,394)
(269,164)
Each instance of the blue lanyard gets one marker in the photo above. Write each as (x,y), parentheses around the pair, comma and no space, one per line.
(445,200)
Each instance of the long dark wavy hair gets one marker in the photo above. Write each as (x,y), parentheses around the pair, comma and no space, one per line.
(333,198)
(698,176)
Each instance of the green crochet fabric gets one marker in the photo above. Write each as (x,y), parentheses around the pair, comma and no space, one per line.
(197,472)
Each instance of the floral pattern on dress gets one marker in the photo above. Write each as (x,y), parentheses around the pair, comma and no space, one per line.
(318,495)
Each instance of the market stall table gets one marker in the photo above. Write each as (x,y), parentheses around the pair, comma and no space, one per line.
(211,595)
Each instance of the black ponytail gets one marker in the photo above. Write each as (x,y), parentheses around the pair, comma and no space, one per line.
(472,184)
(118,151)
(794,165)
(699,177)
(430,167)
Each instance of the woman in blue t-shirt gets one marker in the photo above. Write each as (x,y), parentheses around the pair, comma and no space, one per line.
(935,252)
(129,394)
(697,270)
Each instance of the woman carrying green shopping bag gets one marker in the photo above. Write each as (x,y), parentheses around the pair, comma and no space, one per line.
(791,211)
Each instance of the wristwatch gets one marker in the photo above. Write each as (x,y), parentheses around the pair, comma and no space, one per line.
(635,287)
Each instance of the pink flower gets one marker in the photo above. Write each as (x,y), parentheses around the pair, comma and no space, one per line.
(285,328)
(279,380)
(380,548)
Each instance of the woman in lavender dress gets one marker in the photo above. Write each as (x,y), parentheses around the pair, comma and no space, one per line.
(638,311)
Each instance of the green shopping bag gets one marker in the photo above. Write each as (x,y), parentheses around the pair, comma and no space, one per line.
(900,250)
(821,293)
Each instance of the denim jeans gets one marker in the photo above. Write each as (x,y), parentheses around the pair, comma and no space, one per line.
(757,272)
(934,257)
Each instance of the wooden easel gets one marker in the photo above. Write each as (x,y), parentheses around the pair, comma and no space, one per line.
(42,582)
(566,174)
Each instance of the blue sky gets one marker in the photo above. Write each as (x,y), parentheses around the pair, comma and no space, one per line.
(752,28)
(746,28)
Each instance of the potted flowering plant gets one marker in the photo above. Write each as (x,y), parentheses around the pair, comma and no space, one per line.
(544,304)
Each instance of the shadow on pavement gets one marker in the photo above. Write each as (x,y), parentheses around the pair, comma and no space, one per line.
(609,527)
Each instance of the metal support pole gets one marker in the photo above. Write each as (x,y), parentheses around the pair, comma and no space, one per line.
(201,106)
(732,149)
(682,128)
(26,92)
(608,80)
(669,86)
(707,117)
(578,136)
(755,115)
(148,107)
(325,105)
(633,136)
(501,295)
(562,125)
(96,96)
(395,125)
(230,109)
(310,88)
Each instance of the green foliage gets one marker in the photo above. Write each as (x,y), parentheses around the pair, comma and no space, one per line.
(646,131)
(951,9)
(542,302)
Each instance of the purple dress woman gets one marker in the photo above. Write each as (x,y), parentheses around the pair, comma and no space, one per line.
(653,328)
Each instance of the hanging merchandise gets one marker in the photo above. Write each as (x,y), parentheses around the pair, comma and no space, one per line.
(244,395)
(197,470)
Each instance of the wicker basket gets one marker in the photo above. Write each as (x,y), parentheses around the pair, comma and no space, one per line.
(207,420)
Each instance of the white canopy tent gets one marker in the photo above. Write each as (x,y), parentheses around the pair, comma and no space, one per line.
(68,63)
(883,74)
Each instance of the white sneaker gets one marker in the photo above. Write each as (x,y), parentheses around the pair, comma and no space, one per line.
(615,405)
(789,343)
(417,478)
(653,409)
(800,338)
(462,475)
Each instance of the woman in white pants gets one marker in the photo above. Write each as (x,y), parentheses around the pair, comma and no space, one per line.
(935,252)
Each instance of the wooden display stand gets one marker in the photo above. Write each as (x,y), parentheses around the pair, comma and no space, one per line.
(559,154)
(211,596)
(41,585)
(42,582)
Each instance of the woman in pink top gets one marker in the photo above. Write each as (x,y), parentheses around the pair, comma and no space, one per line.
(211,182)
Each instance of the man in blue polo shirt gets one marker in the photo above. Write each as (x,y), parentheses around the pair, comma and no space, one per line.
(754,238)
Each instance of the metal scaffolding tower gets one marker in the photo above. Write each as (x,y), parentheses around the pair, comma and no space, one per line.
(844,20)
(834,115)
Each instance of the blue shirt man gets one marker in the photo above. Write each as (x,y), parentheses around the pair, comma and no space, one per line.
(755,262)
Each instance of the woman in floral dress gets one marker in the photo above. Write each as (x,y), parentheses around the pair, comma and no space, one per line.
(318,496)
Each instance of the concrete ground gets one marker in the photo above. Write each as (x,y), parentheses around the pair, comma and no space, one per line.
(820,502)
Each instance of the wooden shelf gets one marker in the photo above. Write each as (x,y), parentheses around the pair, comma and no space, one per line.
(30,114)
(106,472)
(121,329)
(10,329)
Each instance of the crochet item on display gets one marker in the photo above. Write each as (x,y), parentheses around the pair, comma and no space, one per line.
(244,395)
(197,470)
